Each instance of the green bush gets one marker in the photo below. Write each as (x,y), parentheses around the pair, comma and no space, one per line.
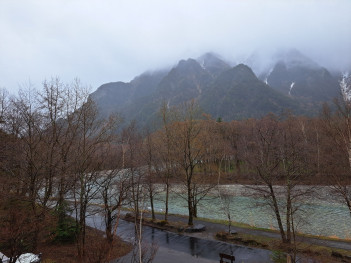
(67,228)
(278,256)
(66,231)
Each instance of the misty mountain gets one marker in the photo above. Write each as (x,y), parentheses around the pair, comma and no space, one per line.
(297,76)
(183,82)
(213,64)
(294,82)
(120,97)
(311,84)
(238,93)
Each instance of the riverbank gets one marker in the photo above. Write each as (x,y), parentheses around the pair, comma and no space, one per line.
(320,249)
(319,214)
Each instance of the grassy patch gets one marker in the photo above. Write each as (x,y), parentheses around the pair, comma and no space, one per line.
(247,239)
(320,253)
(247,226)
(236,224)
(317,252)
(160,224)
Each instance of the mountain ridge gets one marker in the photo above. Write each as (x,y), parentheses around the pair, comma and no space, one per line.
(221,90)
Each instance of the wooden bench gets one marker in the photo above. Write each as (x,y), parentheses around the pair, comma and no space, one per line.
(225,257)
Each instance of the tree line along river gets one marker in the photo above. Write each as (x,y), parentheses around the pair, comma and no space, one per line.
(320,214)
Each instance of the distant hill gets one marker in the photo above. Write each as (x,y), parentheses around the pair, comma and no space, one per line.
(294,82)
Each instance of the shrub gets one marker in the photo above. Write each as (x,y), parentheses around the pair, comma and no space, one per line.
(66,231)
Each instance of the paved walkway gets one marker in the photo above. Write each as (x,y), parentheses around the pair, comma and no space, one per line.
(213,228)
(175,248)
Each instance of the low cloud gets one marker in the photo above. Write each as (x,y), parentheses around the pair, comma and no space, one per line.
(103,41)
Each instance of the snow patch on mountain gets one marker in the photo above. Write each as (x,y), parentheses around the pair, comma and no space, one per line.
(291,87)
(198,87)
(267,76)
(345,86)
(202,64)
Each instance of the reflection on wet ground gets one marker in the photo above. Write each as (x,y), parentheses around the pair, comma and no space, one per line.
(179,248)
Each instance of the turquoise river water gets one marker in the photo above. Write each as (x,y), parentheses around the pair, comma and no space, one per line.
(320,215)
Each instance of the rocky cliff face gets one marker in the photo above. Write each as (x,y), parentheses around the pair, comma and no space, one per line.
(293,82)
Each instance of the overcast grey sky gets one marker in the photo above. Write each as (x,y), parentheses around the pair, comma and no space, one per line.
(101,41)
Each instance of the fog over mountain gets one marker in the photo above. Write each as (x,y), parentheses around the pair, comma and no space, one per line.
(104,41)
(292,82)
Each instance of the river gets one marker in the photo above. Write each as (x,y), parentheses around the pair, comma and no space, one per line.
(320,214)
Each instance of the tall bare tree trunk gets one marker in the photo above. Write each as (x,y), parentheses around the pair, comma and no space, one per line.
(277,214)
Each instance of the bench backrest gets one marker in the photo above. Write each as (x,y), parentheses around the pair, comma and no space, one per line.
(226,256)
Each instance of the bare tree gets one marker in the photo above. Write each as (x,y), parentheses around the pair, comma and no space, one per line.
(149,156)
(4,101)
(277,152)
(51,102)
(55,143)
(18,230)
(114,192)
(189,152)
(17,220)
(143,251)
(337,126)
(94,135)
(165,151)
(132,143)
(25,128)
(115,185)
(75,95)
(26,122)
(226,206)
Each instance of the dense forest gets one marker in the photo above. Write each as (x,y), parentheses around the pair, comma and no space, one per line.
(57,155)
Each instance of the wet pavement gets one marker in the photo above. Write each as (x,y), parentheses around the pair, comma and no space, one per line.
(174,248)
(213,228)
